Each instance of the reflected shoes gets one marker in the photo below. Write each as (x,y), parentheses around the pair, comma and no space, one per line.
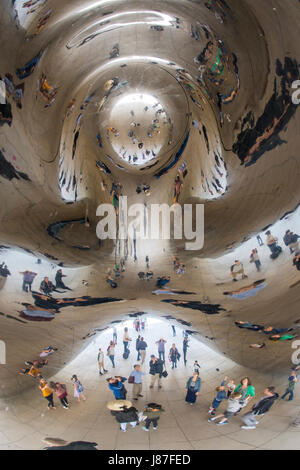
(248,427)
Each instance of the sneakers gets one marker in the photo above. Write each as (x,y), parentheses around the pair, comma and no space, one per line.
(145,429)
(211,420)
(154,428)
(248,427)
(221,423)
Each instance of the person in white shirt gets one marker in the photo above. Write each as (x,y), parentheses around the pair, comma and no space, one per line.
(126,340)
(101,362)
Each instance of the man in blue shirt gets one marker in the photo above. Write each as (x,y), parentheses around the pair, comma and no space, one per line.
(137,375)
(116,384)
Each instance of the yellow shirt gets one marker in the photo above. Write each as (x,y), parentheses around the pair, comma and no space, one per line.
(46,390)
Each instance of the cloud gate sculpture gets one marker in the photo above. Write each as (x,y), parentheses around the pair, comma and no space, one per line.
(122,119)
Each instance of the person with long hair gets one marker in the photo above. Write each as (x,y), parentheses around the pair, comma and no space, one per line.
(111,353)
(192,388)
(60,390)
(47,393)
(78,388)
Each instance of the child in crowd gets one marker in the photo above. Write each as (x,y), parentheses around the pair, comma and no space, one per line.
(231,387)
(151,414)
(232,408)
(221,395)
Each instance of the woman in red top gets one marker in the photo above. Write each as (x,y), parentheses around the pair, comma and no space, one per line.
(61,392)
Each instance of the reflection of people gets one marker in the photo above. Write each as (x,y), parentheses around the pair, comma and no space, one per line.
(291,240)
(248,325)
(152,413)
(260,408)
(60,444)
(237,268)
(254,258)
(28,278)
(174,356)
(247,291)
(59,282)
(124,414)
(272,243)
(47,393)
(46,286)
(290,388)
(156,370)
(161,348)
(282,338)
(209,309)
(34,313)
(193,387)
(116,384)
(46,301)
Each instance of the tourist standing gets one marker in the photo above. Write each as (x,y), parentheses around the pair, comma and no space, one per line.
(156,370)
(174,356)
(136,377)
(193,387)
(47,393)
(78,388)
(100,359)
(60,390)
(152,414)
(184,348)
(28,278)
(161,348)
(111,353)
(126,340)
(290,388)
(260,408)
(142,346)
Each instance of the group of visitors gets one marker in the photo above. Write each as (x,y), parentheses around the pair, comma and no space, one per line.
(60,390)
(46,286)
(238,396)
(290,239)
(125,413)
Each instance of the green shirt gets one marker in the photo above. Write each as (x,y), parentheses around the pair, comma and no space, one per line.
(249,391)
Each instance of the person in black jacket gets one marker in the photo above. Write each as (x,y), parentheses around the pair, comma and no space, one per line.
(126,415)
(59,282)
(156,370)
(260,408)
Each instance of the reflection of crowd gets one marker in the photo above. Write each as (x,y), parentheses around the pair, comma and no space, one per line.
(290,239)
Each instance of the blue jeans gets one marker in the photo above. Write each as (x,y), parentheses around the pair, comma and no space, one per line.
(125,346)
(161,355)
(112,358)
(288,392)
